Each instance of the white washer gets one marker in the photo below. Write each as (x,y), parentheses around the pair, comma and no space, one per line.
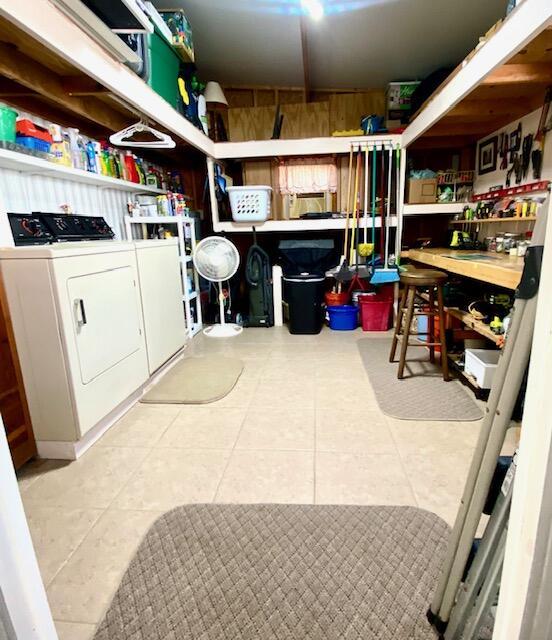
(76,311)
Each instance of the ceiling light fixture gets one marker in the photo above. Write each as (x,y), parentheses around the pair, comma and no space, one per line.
(314,8)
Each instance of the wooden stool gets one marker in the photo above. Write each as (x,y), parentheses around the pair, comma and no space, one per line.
(413,281)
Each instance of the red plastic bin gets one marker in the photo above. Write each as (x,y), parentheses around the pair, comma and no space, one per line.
(375,312)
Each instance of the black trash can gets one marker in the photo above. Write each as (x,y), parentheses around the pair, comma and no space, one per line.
(304,294)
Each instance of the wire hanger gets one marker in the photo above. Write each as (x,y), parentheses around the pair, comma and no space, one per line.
(122,138)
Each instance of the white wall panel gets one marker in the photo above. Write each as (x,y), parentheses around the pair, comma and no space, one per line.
(24,192)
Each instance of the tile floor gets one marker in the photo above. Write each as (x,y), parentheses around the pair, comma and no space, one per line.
(301,426)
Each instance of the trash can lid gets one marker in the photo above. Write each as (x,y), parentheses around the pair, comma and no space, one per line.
(304,277)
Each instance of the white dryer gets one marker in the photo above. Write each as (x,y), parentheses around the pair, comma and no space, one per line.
(76,311)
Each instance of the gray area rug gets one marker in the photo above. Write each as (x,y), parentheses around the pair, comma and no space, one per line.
(281,572)
(196,381)
(421,394)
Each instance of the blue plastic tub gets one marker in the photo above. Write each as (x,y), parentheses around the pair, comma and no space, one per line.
(343,318)
(34,143)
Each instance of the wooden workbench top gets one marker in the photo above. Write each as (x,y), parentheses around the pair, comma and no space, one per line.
(495,268)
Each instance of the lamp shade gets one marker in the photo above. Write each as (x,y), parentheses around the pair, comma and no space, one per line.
(214,93)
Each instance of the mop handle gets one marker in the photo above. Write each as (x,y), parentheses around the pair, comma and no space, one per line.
(374,170)
(388,206)
(349,180)
(398,211)
(355,207)
(366,187)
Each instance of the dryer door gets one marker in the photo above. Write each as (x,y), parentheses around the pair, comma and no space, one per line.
(106,319)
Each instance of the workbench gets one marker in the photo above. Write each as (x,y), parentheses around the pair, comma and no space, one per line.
(497,269)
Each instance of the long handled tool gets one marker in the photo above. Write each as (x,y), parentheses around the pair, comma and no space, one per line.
(398,208)
(386,274)
(343,268)
(365,248)
(355,208)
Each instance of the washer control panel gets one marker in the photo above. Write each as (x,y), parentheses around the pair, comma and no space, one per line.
(45,228)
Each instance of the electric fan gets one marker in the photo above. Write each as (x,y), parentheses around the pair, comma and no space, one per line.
(217,259)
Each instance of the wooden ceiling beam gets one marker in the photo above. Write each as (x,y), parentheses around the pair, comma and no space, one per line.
(526,73)
(484,108)
(16,66)
(82,86)
(305,52)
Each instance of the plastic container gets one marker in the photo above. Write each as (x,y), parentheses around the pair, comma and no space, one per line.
(482,364)
(250,204)
(34,143)
(336,299)
(304,294)
(343,318)
(375,312)
(7,123)
(163,65)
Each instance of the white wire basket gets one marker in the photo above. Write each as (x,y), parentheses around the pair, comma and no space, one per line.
(250,204)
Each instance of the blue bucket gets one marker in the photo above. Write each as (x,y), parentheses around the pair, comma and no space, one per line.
(343,318)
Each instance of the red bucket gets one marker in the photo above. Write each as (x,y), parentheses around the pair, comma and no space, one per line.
(375,312)
(336,299)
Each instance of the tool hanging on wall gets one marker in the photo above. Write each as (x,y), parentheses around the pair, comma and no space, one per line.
(365,248)
(526,148)
(545,125)
(342,273)
(386,274)
(514,145)
(355,207)
(503,150)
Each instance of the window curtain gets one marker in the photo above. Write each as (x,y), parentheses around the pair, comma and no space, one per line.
(307,175)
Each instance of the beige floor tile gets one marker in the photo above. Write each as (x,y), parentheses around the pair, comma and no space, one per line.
(171,477)
(268,477)
(280,370)
(413,437)
(35,469)
(84,587)
(438,480)
(286,394)
(346,393)
(353,430)
(56,533)
(277,429)
(241,395)
(201,427)
(89,482)
(348,478)
(142,426)
(74,630)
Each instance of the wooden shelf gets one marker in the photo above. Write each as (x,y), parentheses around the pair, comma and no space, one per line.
(471,322)
(298,147)
(157,219)
(494,220)
(324,224)
(504,78)
(31,164)
(445,208)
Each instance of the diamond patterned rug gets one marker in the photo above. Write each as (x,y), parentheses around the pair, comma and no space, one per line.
(281,572)
(422,394)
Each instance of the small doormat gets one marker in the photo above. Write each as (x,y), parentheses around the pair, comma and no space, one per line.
(281,572)
(196,381)
(422,394)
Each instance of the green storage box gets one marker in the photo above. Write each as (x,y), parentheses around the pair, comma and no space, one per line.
(164,64)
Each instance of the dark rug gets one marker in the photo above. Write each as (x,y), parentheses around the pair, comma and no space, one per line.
(422,394)
(281,572)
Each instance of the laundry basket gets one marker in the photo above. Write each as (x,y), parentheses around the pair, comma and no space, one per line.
(250,204)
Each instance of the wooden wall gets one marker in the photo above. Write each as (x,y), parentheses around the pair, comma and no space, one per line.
(251,111)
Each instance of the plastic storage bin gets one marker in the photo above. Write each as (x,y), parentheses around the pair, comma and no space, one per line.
(250,204)
(7,123)
(163,64)
(343,318)
(34,143)
(375,312)
(336,299)
(482,364)
(304,294)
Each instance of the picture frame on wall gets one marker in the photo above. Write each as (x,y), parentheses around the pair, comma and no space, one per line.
(487,155)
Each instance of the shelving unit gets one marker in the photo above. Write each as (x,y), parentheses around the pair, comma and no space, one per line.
(494,220)
(445,208)
(186,230)
(33,165)
(324,224)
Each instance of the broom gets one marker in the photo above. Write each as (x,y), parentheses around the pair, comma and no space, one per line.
(365,248)
(385,274)
(343,271)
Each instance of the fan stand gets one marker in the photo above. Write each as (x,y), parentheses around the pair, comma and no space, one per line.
(223,329)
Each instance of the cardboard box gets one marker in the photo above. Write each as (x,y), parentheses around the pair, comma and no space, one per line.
(422,191)
(398,101)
